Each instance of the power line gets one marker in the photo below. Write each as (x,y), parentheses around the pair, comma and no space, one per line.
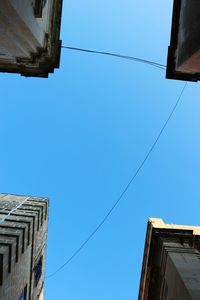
(140,60)
(125,189)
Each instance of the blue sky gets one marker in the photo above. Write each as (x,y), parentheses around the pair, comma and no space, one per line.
(79,136)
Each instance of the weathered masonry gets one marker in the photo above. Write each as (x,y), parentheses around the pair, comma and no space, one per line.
(22,247)
(30,36)
(184,50)
(171,263)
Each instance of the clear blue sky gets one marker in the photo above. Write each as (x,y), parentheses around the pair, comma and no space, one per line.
(78,137)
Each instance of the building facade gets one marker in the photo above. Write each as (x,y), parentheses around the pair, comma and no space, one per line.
(30,36)
(184,50)
(23,233)
(171,263)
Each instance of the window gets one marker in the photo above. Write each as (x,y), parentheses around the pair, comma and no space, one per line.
(23,294)
(38,271)
(38,7)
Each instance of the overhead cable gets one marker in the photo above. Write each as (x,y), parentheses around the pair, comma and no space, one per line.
(125,189)
(140,60)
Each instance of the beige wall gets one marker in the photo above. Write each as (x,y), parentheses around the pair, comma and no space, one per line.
(41,297)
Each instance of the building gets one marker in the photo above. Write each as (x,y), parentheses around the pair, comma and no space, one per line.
(30,36)
(23,231)
(183,61)
(171,262)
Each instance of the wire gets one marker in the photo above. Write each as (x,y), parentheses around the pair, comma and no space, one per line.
(125,189)
(141,60)
(13,210)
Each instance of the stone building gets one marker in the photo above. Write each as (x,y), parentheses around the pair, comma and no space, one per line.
(23,234)
(171,263)
(184,50)
(30,36)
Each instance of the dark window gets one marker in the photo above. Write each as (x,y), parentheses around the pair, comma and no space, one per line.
(38,271)
(38,7)
(23,294)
